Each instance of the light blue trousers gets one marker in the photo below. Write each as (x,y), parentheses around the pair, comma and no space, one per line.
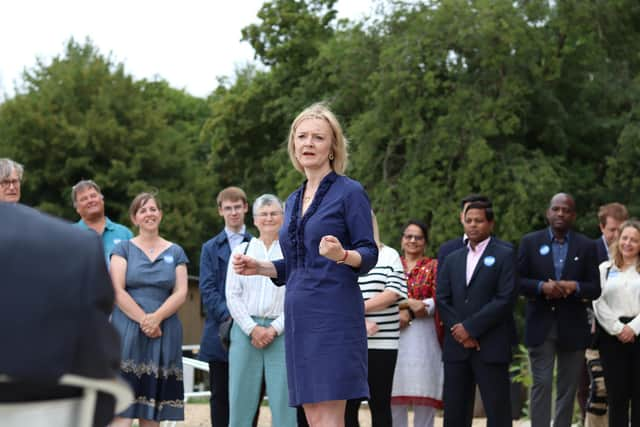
(247,367)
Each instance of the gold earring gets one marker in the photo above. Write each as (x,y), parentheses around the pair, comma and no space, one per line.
(331,156)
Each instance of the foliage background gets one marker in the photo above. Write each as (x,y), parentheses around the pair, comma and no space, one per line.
(514,99)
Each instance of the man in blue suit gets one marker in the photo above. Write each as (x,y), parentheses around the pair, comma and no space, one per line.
(558,274)
(451,245)
(232,206)
(475,298)
(610,217)
(55,306)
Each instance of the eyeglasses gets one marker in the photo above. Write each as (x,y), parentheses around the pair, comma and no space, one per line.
(264,215)
(6,183)
(413,237)
(230,209)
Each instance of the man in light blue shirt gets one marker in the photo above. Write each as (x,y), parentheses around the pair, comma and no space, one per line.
(89,203)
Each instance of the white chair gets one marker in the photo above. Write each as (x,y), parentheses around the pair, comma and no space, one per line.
(67,412)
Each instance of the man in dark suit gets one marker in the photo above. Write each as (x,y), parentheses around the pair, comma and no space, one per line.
(232,206)
(476,294)
(558,274)
(451,245)
(610,217)
(55,307)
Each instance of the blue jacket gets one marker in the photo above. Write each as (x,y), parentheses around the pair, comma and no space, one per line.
(484,307)
(213,275)
(535,265)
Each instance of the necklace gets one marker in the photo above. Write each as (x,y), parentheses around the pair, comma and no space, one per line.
(308,198)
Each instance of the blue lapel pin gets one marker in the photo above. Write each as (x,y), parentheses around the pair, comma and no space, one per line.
(544,250)
(489,261)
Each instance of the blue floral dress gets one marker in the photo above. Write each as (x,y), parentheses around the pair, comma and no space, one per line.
(152,366)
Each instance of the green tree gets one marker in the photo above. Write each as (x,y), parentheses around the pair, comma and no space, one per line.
(82,117)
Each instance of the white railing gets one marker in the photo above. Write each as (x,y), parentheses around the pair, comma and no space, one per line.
(189,366)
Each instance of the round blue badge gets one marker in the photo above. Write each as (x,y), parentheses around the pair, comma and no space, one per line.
(544,249)
(168,259)
(489,261)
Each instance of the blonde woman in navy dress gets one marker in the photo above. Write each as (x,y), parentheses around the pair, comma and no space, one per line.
(327,242)
(149,275)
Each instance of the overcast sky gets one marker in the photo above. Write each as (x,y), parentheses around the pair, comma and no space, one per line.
(188,42)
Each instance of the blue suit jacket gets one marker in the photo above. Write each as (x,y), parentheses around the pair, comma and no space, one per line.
(601,249)
(534,266)
(484,307)
(447,247)
(213,275)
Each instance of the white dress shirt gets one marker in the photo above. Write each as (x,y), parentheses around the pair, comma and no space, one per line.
(255,296)
(620,298)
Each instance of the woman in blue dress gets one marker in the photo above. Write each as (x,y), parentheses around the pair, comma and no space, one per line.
(327,242)
(149,275)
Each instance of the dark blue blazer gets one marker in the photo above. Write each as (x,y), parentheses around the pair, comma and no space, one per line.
(601,249)
(447,247)
(56,301)
(213,275)
(484,307)
(536,265)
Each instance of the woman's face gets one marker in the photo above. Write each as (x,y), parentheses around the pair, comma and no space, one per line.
(413,241)
(268,220)
(148,216)
(629,243)
(313,142)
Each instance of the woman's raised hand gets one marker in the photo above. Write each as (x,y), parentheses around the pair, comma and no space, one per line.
(244,265)
(330,247)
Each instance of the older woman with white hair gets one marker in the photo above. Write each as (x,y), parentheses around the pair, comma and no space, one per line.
(10,179)
(256,352)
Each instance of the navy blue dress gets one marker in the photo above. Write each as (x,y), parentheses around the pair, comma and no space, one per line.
(325,336)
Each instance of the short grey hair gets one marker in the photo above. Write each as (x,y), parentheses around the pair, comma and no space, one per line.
(266,200)
(83,185)
(7,166)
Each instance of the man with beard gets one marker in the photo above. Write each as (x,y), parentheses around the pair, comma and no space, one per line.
(558,274)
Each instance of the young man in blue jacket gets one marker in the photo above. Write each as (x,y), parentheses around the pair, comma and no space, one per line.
(232,206)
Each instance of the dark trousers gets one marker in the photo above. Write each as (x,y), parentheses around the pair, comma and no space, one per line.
(460,379)
(621,363)
(219,402)
(382,364)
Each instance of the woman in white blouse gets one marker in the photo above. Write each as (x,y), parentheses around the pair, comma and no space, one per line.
(618,313)
(257,351)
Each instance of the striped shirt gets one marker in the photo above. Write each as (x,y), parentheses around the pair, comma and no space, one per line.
(386,275)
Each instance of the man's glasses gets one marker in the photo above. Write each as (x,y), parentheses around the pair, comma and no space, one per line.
(230,209)
(264,215)
(6,183)
(413,237)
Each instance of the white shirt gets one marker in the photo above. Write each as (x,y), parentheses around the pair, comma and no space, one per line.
(620,298)
(256,296)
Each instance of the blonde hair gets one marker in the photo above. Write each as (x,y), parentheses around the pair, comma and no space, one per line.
(616,256)
(339,144)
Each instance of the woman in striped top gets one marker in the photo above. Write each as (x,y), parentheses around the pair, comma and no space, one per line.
(381,289)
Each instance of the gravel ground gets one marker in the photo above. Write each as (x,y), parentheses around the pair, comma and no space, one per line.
(197,415)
